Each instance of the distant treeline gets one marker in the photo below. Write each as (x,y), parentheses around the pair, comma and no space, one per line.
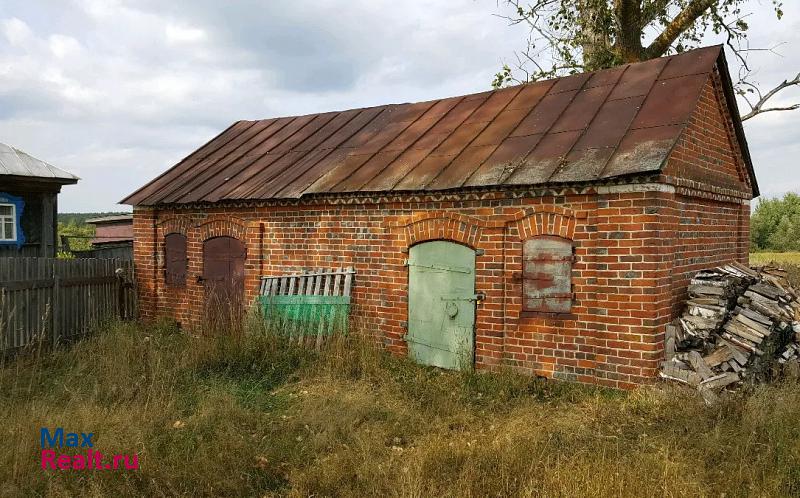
(775,224)
(80,218)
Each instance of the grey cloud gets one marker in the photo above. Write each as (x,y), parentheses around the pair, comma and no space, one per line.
(117,91)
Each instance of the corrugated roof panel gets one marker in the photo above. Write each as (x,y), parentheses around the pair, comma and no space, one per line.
(340,173)
(605,77)
(583,163)
(504,160)
(424,172)
(397,170)
(581,110)
(150,190)
(237,147)
(570,83)
(643,150)
(545,159)
(366,171)
(459,139)
(296,187)
(694,62)
(501,127)
(530,95)
(670,101)
(18,163)
(215,170)
(579,128)
(492,106)
(542,117)
(610,124)
(462,167)
(637,79)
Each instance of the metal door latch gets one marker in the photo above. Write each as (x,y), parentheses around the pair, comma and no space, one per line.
(480,296)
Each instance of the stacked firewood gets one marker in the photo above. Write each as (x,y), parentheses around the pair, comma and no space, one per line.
(738,324)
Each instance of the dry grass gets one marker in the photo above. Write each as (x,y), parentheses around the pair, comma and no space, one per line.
(262,417)
(759,258)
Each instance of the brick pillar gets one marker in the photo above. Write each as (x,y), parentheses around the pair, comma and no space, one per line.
(144,258)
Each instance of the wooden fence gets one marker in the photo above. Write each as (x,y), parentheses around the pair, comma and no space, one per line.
(307,305)
(61,299)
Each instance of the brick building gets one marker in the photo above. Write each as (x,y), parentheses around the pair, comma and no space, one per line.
(574,209)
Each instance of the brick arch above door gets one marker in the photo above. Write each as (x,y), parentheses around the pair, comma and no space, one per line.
(174,225)
(222,227)
(439,225)
(546,220)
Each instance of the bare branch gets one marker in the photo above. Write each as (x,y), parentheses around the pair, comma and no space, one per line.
(759,108)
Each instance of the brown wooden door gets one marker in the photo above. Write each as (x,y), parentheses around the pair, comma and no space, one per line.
(223,279)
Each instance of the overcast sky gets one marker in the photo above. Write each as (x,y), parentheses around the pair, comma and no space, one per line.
(117,92)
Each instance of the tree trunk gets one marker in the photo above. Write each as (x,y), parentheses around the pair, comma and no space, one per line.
(628,47)
(594,36)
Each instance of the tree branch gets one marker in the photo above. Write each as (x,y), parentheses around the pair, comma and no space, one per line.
(682,21)
(758,108)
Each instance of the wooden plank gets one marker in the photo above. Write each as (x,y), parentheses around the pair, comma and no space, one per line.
(348,281)
(754,315)
(742,331)
(318,282)
(720,381)
(754,325)
(699,365)
(706,290)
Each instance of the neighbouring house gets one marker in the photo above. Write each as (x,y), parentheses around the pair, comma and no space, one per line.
(550,227)
(113,238)
(29,191)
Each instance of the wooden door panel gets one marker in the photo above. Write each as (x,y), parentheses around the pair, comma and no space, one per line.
(441,305)
(223,280)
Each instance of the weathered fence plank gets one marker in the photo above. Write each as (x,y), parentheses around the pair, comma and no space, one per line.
(61,299)
(309,305)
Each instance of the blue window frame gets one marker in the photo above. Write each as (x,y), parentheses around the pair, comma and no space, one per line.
(8,222)
(11,208)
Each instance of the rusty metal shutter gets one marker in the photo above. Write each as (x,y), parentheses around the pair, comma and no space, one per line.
(547,275)
(175,259)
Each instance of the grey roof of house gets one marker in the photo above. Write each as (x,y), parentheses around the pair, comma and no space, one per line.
(14,162)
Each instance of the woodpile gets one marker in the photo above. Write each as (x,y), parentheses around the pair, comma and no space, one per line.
(739,324)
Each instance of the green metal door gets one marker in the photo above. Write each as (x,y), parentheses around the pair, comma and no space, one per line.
(441,304)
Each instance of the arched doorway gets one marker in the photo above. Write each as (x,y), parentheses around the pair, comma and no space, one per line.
(441,304)
(223,280)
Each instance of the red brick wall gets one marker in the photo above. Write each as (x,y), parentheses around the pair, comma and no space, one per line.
(711,211)
(622,278)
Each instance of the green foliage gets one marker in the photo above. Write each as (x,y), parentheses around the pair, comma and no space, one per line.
(80,235)
(775,224)
(568,36)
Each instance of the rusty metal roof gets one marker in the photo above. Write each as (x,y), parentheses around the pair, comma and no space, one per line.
(580,128)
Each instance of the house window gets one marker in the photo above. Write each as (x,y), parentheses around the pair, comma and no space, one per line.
(547,275)
(8,222)
(176,262)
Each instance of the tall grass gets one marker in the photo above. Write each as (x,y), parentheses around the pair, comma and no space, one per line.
(256,415)
(781,258)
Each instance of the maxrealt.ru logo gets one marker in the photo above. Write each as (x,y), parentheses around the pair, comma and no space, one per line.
(90,459)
